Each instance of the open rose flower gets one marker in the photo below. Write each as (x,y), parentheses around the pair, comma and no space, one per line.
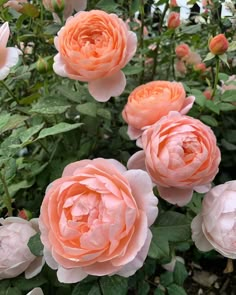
(15,255)
(68,6)
(93,47)
(180,154)
(149,102)
(8,55)
(15,4)
(215,226)
(95,220)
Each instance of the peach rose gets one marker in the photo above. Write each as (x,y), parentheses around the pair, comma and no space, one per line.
(173,21)
(8,55)
(15,4)
(193,58)
(95,220)
(93,47)
(180,154)
(182,50)
(180,67)
(149,102)
(69,6)
(200,67)
(218,45)
(15,233)
(215,226)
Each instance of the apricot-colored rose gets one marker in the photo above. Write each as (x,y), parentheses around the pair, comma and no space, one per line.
(8,55)
(15,255)
(69,6)
(149,102)
(215,226)
(192,58)
(200,67)
(182,50)
(95,220)
(173,21)
(15,4)
(180,154)
(93,47)
(219,44)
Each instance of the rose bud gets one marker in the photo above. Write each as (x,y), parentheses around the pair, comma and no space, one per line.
(173,20)
(218,45)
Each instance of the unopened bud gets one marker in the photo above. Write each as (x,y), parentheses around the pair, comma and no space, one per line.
(25,214)
(58,5)
(42,65)
(218,45)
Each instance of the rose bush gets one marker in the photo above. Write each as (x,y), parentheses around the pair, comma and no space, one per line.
(93,47)
(148,103)
(15,256)
(215,227)
(180,154)
(95,218)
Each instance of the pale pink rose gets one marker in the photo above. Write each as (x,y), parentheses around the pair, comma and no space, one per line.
(149,102)
(70,6)
(95,220)
(8,55)
(193,58)
(35,291)
(182,50)
(95,56)
(180,67)
(15,4)
(15,233)
(180,154)
(215,226)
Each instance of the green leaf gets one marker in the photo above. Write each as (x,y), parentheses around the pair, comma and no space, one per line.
(191,29)
(57,129)
(209,120)
(132,70)
(229,96)
(225,107)
(13,122)
(232,46)
(227,145)
(35,245)
(8,167)
(27,285)
(30,10)
(4,285)
(159,291)
(12,291)
(159,247)
(209,56)
(26,135)
(174,289)
(114,285)
(107,5)
(88,108)
(143,288)
(211,105)
(4,119)
(14,188)
(224,59)
(166,278)
(50,105)
(223,77)
(200,99)
(104,113)
(90,288)
(180,273)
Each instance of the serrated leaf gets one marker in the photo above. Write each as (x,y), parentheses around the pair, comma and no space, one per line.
(13,122)
(114,285)
(209,56)
(166,278)
(12,291)
(88,108)
(57,129)
(50,105)
(232,46)
(8,167)
(223,77)
(35,245)
(107,5)
(191,29)
(224,58)
(211,105)
(224,107)
(209,120)
(26,135)
(132,70)
(200,99)
(174,289)
(14,188)
(180,273)
(229,96)
(104,113)
(159,247)
(159,291)
(27,285)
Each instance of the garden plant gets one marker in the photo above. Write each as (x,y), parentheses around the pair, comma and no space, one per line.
(117,147)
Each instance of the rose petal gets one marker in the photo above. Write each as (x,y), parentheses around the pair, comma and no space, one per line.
(137,161)
(175,195)
(70,276)
(34,268)
(188,103)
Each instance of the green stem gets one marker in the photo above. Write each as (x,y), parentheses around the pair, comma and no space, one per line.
(173,56)
(216,76)
(8,90)
(141,43)
(7,197)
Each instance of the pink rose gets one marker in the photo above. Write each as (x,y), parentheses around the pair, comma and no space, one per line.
(180,67)
(192,58)
(215,226)
(149,102)
(180,154)
(8,55)
(182,50)
(69,6)
(15,233)
(15,4)
(93,47)
(95,220)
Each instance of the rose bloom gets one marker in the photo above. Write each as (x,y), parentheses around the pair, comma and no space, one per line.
(93,47)
(15,256)
(8,55)
(173,20)
(218,45)
(215,226)
(70,6)
(148,103)
(15,4)
(180,154)
(182,50)
(95,220)
(193,58)
(180,67)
